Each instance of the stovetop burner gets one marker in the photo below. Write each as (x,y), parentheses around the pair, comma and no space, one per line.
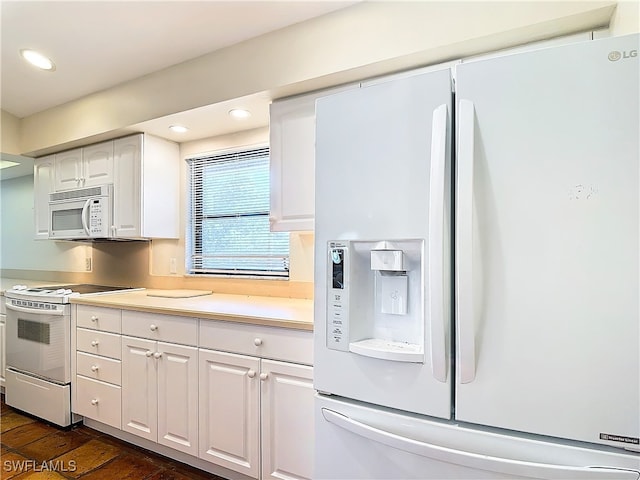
(61,293)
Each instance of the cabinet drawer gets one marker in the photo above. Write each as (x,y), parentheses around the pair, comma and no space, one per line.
(98,318)
(266,342)
(98,343)
(167,328)
(99,368)
(98,400)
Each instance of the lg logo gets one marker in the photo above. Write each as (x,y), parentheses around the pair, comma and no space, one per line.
(615,55)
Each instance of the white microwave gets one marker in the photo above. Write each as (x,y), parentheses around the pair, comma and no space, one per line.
(83,213)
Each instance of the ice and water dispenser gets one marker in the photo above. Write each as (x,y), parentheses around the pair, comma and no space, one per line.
(376,299)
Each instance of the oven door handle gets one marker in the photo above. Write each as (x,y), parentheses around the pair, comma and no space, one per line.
(34,310)
(85,225)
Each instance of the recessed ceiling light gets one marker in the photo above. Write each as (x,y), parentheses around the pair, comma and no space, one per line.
(178,128)
(37,59)
(239,113)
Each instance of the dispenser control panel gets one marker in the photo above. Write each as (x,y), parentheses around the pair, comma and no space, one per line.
(338,297)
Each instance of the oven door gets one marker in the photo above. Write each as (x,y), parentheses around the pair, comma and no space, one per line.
(38,342)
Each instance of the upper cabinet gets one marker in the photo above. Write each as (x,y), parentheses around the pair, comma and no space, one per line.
(144,171)
(84,167)
(146,189)
(292,155)
(42,187)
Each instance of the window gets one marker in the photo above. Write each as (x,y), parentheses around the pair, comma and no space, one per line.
(229,217)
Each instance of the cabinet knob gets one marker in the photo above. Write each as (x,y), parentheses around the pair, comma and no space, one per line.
(157,355)
(94,368)
(257,342)
(94,343)
(251,373)
(149,353)
(94,401)
(264,376)
(94,318)
(153,327)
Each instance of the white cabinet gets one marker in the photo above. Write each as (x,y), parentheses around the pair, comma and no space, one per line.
(256,414)
(286,406)
(292,156)
(146,187)
(160,380)
(42,187)
(3,339)
(230,411)
(96,391)
(84,167)
(144,171)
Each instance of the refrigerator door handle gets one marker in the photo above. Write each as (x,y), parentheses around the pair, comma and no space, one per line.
(464,244)
(437,181)
(505,466)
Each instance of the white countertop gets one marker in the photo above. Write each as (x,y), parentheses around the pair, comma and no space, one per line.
(271,311)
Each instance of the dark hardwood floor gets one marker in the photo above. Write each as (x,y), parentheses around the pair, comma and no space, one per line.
(32,449)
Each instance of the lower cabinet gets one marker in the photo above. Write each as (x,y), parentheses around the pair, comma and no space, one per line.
(286,408)
(238,396)
(256,415)
(160,392)
(3,361)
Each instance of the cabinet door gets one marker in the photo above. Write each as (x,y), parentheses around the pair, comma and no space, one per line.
(68,170)
(229,411)
(287,420)
(127,159)
(42,187)
(97,163)
(292,158)
(3,357)
(139,388)
(178,397)
(292,142)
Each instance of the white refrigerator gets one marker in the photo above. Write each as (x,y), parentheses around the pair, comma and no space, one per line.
(477,270)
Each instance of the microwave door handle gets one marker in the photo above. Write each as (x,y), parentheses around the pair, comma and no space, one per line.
(85,226)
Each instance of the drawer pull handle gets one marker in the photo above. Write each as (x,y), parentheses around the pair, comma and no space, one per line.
(257,342)
(153,327)
(94,343)
(251,373)
(94,401)
(157,355)
(94,318)
(94,368)
(149,353)
(264,376)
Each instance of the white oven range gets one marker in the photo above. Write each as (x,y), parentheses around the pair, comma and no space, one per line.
(38,376)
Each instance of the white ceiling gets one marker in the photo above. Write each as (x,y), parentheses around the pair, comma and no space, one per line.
(97,45)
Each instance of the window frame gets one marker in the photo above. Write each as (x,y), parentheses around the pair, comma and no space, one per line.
(195,241)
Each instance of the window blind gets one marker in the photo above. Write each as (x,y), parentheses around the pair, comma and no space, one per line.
(229,217)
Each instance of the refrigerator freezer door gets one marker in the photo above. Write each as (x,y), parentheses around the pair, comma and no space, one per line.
(547,249)
(383,170)
(357,441)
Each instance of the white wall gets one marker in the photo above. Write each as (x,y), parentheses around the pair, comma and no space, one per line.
(18,249)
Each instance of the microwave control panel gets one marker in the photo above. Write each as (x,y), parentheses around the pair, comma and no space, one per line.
(97,218)
(338,297)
